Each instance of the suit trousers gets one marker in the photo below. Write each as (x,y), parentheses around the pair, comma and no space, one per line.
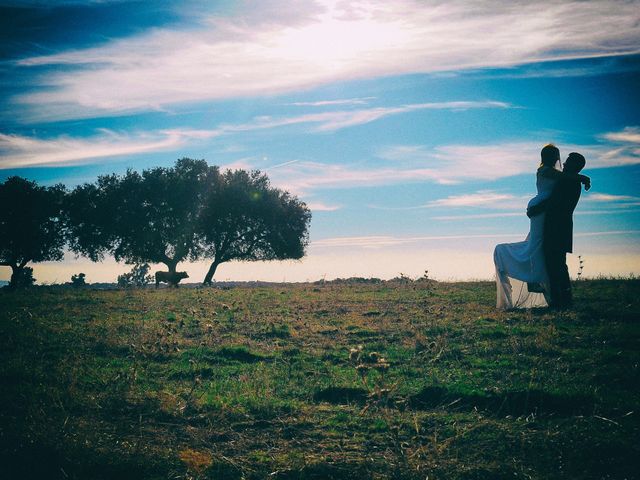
(559,281)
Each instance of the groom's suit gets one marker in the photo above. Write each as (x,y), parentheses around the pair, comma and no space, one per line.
(558,238)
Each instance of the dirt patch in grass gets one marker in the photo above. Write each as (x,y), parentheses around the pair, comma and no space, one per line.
(515,403)
(241,354)
(341,395)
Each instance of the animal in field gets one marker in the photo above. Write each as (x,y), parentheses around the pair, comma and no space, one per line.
(172,278)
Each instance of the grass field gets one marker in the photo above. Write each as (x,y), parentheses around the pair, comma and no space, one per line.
(394,380)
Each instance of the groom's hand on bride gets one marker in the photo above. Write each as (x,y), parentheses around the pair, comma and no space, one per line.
(586,181)
(535,210)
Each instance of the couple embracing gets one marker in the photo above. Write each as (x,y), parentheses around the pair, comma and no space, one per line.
(534,273)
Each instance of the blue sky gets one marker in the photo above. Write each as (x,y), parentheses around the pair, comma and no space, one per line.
(412,128)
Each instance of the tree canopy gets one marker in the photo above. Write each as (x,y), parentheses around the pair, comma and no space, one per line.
(139,218)
(31,224)
(246,219)
(189,211)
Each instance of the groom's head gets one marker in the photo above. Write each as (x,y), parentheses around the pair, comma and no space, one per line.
(574,163)
(550,155)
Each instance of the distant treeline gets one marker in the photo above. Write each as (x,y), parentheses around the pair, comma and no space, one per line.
(190,211)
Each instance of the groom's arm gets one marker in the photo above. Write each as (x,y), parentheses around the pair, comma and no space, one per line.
(537,209)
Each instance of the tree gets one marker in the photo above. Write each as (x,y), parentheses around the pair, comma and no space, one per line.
(78,280)
(137,277)
(140,218)
(246,219)
(31,225)
(189,211)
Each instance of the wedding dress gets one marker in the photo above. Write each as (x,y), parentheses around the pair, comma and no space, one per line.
(521,274)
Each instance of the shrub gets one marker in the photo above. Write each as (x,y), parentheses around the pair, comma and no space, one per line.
(78,280)
(137,277)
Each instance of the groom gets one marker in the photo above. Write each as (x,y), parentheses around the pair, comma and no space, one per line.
(558,229)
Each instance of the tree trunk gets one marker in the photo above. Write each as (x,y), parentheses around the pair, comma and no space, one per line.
(212,270)
(15,274)
(172,265)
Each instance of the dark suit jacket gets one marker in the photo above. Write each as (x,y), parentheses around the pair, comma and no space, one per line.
(558,222)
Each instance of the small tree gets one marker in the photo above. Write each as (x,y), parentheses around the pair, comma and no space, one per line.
(23,278)
(140,218)
(31,226)
(78,280)
(137,277)
(246,219)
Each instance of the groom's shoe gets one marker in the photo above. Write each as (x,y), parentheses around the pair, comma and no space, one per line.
(567,299)
(560,305)
(555,306)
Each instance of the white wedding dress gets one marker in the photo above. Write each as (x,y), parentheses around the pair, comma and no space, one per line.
(522,263)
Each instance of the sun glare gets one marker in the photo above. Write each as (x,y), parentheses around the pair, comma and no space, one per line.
(332,43)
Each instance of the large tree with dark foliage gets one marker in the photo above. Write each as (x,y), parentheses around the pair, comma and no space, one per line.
(31,225)
(139,218)
(246,219)
(189,211)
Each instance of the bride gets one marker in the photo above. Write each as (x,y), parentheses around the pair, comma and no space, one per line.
(521,275)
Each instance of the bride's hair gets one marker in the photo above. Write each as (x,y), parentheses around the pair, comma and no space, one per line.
(549,154)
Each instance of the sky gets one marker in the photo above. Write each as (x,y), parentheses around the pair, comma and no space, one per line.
(412,129)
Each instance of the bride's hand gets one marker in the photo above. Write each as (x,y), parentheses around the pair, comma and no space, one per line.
(586,181)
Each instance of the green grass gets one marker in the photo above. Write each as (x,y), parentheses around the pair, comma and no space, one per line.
(258,383)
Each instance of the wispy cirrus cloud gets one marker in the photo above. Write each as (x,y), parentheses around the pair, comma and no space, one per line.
(451,164)
(477,216)
(616,201)
(627,135)
(484,216)
(607,197)
(326,103)
(447,164)
(378,241)
(323,207)
(373,241)
(339,119)
(484,198)
(224,57)
(22,151)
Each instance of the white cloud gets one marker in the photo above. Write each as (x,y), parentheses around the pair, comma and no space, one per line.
(378,241)
(322,207)
(244,56)
(325,103)
(478,216)
(450,164)
(21,151)
(509,158)
(304,176)
(455,162)
(484,198)
(521,214)
(336,120)
(607,197)
(627,135)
